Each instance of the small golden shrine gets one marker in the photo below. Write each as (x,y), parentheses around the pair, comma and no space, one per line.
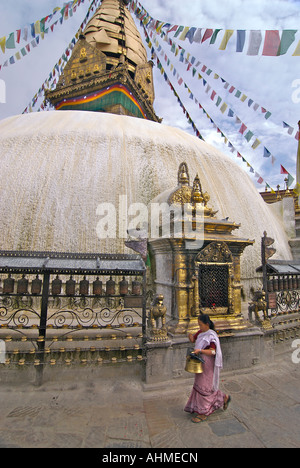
(108,70)
(197,273)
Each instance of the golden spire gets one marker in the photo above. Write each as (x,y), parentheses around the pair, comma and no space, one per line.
(183,175)
(108,70)
(113,31)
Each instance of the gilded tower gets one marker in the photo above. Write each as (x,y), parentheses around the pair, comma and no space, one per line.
(108,70)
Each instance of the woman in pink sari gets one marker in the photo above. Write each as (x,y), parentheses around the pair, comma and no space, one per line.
(206,396)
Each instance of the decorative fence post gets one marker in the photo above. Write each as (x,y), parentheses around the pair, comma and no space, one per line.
(42,329)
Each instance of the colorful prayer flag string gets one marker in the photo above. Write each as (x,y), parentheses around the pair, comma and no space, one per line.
(36,31)
(59,66)
(260,180)
(193,63)
(272,43)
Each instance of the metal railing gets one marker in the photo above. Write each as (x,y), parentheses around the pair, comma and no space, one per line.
(60,308)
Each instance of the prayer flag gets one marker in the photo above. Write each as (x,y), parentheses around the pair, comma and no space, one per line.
(25,33)
(208,33)
(290,180)
(174,28)
(283,170)
(223,107)
(184,33)
(243,129)
(198,36)
(249,135)
(32,30)
(179,30)
(256,144)
(240,41)
(287,39)
(37,27)
(272,43)
(214,36)
(290,129)
(267,153)
(3,43)
(254,42)
(297,50)
(190,34)
(10,42)
(227,36)
(18,36)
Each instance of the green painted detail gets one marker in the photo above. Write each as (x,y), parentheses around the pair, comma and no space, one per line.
(101,104)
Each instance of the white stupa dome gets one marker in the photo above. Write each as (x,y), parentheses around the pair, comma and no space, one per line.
(57,167)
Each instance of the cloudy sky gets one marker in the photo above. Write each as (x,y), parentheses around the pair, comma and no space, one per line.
(271,82)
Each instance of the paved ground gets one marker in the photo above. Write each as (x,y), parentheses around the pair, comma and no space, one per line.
(120,413)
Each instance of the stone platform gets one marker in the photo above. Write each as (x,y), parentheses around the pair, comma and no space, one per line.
(84,409)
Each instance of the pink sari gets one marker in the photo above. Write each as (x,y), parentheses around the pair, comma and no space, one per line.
(204,399)
(206,396)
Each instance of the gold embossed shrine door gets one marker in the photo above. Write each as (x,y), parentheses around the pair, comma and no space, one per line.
(213,286)
(215,279)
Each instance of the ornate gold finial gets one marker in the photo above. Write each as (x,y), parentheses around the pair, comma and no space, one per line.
(183,175)
(184,193)
(197,191)
(197,195)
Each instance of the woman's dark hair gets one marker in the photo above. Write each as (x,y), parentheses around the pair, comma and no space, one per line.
(204,318)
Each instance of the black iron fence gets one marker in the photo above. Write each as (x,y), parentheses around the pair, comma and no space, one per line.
(60,308)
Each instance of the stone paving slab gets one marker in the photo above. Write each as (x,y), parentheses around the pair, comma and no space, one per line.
(120,413)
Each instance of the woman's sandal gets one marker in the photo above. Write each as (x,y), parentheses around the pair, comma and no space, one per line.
(199,418)
(226,403)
